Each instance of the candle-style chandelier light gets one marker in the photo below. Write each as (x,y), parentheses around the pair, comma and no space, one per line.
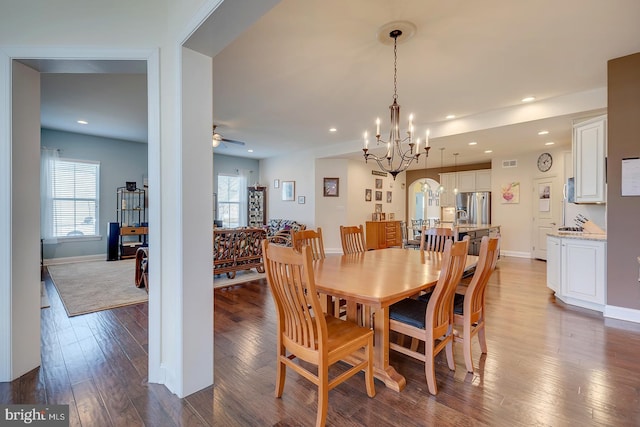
(396,158)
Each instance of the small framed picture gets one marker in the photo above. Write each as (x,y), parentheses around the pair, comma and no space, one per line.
(383,216)
(378,183)
(301,200)
(367,195)
(392,216)
(378,196)
(331,187)
(389,196)
(276,183)
(378,207)
(288,190)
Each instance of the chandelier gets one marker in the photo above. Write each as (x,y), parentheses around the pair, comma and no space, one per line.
(396,158)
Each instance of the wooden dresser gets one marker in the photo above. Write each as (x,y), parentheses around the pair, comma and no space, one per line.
(383,234)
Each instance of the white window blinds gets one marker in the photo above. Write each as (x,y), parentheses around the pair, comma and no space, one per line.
(75,198)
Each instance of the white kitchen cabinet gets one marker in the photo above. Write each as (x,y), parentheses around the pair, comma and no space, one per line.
(448,181)
(589,157)
(576,270)
(467,181)
(483,180)
(554,255)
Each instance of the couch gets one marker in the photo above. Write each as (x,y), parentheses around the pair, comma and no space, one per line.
(236,249)
(279,230)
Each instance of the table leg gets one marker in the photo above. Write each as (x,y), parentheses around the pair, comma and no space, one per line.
(383,371)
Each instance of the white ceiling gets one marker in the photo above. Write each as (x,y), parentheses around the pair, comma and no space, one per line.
(307,66)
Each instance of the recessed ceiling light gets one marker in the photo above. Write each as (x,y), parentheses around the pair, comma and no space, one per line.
(250,150)
(83,122)
(549,143)
(543,132)
(528,99)
(473,143)
(333,130)
(451,116)
(488,151)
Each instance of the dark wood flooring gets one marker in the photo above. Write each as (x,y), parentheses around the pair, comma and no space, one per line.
(548,364)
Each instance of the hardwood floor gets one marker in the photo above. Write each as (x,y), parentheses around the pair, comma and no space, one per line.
(548,364)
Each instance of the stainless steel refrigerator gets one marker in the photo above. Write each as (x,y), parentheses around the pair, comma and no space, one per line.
(476,205)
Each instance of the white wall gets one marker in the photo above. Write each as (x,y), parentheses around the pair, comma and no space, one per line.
(25,224)
(516,220)
(297,167)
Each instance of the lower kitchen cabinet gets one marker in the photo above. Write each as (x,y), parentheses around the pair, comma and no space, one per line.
(576,270)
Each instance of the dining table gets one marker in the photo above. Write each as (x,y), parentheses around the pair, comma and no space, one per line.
(375,280)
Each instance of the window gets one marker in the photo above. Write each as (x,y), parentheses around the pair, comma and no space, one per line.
(229,200)
(74,198)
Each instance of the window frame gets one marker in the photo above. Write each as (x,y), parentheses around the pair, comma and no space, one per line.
(96,201)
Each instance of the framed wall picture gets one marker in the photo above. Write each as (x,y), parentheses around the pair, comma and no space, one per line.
(378,196)
(367,195)
(288,190)
(378,207)
(378,182)
(331,187)
(389,196)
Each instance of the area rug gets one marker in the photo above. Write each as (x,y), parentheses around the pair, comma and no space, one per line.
(221,281)
(86,287)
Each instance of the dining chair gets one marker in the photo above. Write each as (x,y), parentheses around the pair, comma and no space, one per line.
(409,243)
(433,239)
(469,308)
(432,321)
(352,238)
(305,332)
(311,238)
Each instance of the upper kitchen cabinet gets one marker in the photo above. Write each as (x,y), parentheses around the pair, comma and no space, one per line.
(589,157)
(447,197)
(465,181)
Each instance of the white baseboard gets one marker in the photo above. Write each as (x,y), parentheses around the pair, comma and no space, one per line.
(72,259)
(516,254)
(622,313)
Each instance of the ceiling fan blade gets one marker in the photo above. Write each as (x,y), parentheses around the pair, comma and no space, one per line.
(233,141)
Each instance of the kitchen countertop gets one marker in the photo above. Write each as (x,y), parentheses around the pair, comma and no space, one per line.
(578,235)
(474,227)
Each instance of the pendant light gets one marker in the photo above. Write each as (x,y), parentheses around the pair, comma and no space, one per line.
(441,188)
(425,184)
(455,168)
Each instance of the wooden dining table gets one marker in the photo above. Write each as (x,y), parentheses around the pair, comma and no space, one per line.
(377,279)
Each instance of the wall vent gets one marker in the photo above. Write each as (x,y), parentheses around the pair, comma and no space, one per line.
(509,163)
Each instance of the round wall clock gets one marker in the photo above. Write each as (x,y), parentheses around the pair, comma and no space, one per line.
(544,162)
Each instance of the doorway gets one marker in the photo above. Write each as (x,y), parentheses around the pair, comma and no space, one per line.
(547,202)
(20,259)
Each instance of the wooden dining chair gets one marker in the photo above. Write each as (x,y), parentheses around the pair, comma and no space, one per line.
(433,239)
(469,308)
(432,321)
(311,238)
(305,332)
(352,238)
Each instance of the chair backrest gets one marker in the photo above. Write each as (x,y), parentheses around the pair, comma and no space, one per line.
(475,294)
(439,316)
(433,239)
(352,238)
(290,277)
(311,238)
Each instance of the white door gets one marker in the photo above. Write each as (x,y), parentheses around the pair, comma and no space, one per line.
(547,210)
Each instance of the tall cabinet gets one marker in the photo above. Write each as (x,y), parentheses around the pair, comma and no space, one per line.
(132,218)
(257,206)
(589,160)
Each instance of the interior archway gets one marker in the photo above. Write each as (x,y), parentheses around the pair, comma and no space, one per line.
(424,200)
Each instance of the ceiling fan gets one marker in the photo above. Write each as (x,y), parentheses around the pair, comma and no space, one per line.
(217,139)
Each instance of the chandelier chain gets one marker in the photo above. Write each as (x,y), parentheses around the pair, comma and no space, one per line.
(395,68)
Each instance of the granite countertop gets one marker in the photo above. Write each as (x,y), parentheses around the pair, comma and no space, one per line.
(474,227)
(579,235)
